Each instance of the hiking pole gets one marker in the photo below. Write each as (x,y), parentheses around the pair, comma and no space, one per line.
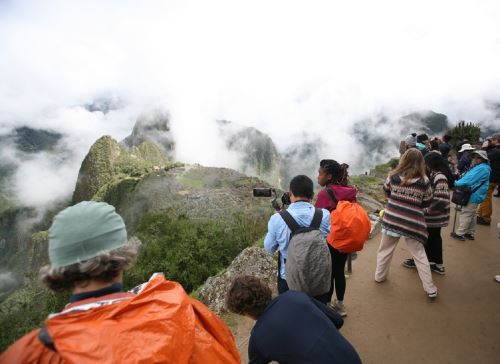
(455,219)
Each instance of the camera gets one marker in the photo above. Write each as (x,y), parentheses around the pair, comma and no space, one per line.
(263,192)
(271,192)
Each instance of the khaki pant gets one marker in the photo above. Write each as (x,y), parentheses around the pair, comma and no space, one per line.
(485,208)
(467,219)
(386,251)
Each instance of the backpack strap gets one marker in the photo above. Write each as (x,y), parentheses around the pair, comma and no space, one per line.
(316,220)
(46,339)
(289,220)
(332,195)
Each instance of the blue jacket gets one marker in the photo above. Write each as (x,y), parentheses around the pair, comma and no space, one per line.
(473,178)
(278,233)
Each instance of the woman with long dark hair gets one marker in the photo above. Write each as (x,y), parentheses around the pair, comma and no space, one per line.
(333,177)
(437,214)
(408,192)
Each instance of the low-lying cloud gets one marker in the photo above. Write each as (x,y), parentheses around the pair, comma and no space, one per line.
(284,67)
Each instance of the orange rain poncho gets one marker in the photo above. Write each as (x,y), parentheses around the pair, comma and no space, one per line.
(160,324)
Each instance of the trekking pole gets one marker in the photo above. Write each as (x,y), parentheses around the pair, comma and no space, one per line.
(455,219)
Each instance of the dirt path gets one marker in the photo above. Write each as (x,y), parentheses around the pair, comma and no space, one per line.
(395,322)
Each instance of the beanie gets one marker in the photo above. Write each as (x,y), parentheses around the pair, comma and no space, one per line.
(411,140)
(82,231)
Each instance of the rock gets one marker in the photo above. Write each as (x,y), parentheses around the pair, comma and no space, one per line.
(376,225)
(258,154)
(108,168)
(251,261)
(368,202)
(155,128)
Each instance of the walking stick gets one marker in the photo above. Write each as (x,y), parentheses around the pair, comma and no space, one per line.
(455,219)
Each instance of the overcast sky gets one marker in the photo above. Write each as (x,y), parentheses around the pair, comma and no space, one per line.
(284,67)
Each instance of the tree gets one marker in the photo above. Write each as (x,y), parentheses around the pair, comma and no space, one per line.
(465,131)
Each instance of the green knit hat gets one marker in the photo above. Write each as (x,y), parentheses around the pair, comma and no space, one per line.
(82,231)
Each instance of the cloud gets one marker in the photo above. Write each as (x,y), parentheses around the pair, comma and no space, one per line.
(284,67)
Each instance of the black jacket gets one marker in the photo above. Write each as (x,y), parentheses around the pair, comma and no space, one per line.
(494,157)
(296,328)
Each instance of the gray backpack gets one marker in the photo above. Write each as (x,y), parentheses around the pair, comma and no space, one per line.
(308,263)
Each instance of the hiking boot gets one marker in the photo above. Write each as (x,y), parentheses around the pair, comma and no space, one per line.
(457,237)
(497,278)
(409,263)
(437,269)
(432,295)
(469,237)
(340,309)
(482,221)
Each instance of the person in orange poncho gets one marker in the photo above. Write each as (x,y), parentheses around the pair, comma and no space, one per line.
(156,322)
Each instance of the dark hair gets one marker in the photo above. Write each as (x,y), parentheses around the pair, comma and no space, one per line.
(248,295)
(337,171)
(436,163)
(446,138)
(302,186)
(422,137)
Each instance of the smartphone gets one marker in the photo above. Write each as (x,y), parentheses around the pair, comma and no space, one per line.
(262,192)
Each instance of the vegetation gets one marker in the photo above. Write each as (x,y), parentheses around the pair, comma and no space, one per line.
(469,131)
(190,251)
(26,309)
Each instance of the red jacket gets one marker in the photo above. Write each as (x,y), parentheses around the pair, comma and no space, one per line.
(346,193)
(160,324)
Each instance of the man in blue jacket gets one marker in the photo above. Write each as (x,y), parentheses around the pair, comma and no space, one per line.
(278,233)
(477,179)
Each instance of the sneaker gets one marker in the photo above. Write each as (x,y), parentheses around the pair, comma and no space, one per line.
(437,269)
(457,237)
(469,237)
(340,309)
(432,295)
(497,278)
(409,263)
(481,221)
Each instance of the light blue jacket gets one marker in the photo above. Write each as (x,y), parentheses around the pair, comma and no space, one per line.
(278,233)
(473,178)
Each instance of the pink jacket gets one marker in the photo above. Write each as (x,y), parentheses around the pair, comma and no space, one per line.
(346,193)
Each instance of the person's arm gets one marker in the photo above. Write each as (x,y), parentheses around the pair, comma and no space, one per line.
(254,355)
(468,179)
(333,316)
(441,196)
(271,241)
(427,199)
(387,187)
(325,223)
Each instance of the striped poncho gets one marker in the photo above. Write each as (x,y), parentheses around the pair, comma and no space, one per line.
(404,213)
(438,213)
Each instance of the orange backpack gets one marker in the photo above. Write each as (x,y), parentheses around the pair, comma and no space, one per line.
(349,227)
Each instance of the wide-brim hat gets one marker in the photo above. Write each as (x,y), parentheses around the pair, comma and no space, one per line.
(482,154)
(465,147)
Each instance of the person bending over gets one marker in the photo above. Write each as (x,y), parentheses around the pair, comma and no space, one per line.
(292,328)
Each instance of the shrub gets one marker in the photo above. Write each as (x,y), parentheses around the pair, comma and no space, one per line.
(190,251)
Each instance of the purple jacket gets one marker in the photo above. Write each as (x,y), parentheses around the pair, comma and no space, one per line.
(324,200)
